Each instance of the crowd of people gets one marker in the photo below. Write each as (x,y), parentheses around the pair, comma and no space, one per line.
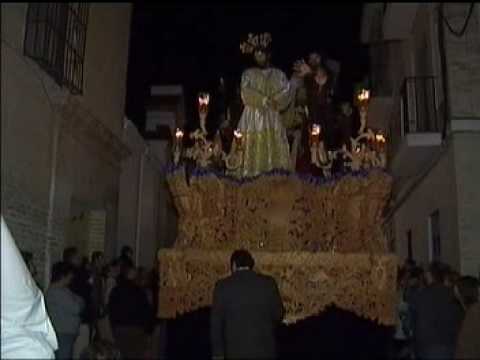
(97,305)
(107,310)
(438,314)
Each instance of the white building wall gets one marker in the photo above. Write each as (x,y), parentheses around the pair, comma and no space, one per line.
(167,214)
(128,188)
(451,186)
(437,190)
(145,221)
(467,165)
(61,153)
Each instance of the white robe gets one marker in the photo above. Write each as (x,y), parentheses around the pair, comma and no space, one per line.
(27,332)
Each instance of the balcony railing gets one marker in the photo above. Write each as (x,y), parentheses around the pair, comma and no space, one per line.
(419,107)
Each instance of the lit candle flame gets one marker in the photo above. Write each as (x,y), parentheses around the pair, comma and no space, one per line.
(238,134)
(315,130)
(380,138)
(179,133)
(364,95)
(203,99)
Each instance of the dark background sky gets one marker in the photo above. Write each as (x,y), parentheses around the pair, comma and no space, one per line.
(194,44)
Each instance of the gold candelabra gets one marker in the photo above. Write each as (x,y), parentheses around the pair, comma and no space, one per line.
(368,149)
(204,152)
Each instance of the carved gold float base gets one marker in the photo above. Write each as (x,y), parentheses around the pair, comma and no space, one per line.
(309,282)
(281,213)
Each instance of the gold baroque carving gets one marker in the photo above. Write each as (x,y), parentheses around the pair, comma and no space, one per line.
(323,243)
(309,282)
(282,213)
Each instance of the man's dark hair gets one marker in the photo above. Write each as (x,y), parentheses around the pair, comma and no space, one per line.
(468,289)
(242,258)
(125,250)
(60,270)
(417,273)
(96,255)
(438,271)
(115,263)
(410,263)
(69,253)
(100,349)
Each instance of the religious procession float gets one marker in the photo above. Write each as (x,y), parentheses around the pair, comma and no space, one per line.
(299,187)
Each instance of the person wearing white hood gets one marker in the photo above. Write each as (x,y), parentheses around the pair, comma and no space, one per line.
(27,332)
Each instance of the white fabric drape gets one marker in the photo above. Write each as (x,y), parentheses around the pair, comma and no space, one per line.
(27,332)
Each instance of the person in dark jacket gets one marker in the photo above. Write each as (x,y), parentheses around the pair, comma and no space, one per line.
(125,260)
(246,311)
(437,317)
(130,316)
(65,309)
(467,292)
(97,282)
(81,286)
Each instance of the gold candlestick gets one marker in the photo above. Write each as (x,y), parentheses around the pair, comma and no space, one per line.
(315,134)
(177,151)
(362,101)
(238,139)
(203,101)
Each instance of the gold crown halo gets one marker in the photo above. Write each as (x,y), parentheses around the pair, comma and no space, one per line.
(255,42)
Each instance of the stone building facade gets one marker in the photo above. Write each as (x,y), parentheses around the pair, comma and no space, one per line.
(425,76)
(146,215)
(62,149)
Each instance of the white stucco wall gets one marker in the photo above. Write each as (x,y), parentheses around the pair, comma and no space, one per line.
(467,165)
(438,190)
(45,168)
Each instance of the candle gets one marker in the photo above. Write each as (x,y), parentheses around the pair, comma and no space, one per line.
(238,134)
(364,95)
(362,100)
(381,141)
(238,138)
(177,150)
(179,134)
(178,137)
(315,134)
(203,101)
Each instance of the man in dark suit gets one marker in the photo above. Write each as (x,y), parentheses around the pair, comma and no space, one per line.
(246,311)
(437,317)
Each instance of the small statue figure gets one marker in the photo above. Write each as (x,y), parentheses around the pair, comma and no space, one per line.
(319,104)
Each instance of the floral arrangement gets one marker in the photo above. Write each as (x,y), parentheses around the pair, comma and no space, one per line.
(256,42)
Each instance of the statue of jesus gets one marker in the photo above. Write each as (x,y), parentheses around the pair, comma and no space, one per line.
(265,93)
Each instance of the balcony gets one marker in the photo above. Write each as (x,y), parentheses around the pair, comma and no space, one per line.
(417,136)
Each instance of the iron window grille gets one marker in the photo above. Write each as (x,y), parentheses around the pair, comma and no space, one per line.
(55,39)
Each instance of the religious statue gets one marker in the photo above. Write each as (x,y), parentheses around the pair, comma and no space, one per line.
(265,92)
(318,83)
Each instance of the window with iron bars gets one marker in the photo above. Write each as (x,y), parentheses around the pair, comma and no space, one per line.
(55,39)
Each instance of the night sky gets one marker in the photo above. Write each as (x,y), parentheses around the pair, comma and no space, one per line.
(194,45)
